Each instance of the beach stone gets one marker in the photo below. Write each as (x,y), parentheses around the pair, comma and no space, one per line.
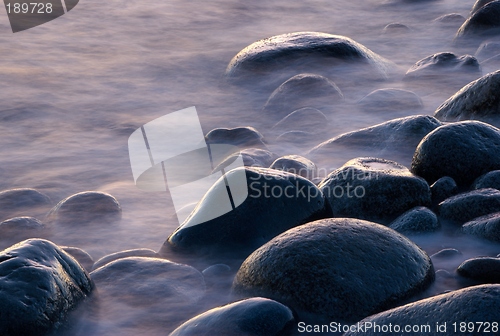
(303,90)
(362,187)
(463,151)
(276,202)
(86,207)
(488,49)
(384,100)
(250,317)
(39,285)
(21,227)
(477,100)
(467,206)
(151,290)
(140,252)
(488,180)
(484,269)
(336,269)
(15,202)
(242,137)
(473,304)
(84,259)
(305,119)
(452,19)
(487,227)
(446,254)
(305,52)
(479,4)
(442,65)
(396,28)
(443,188)
(416,220)
(393,139)
(252,157)
(484,22)
(296,164)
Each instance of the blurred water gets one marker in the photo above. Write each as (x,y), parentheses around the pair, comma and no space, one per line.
(74,89)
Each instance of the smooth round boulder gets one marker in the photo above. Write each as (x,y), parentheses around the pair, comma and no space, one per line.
(140,252)
(395,28)
(336,269)
(473,204)
(83,258)
(479,4)
(443,65)
(362,187)
(269,203)
(443,188)
(296,164)
(482,23)
(306,119)
(485,269)
(252,157)
(86,207)
(250,317)
(303,90)
(463,151)
(21,227)
(40,285)
(22,198)
(486,227)
(242,137)
(478,100)
(416,220)
(478,305)
(384,100)
(488,180)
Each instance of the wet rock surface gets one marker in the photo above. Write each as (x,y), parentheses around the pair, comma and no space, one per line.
(39,285)
(488,180)
(483,22)
(305,119)
(473,304)
(336,269)
(250,317)
(484,270)
(362,187)
(416,220)
(435,66)
(487,227)
(443,188)
(463,151)
(473,204)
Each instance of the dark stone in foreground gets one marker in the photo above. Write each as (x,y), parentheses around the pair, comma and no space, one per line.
(416,220)
(141,252)
(479,304)
(479,4)
(251,317)
(362,188)
(276,202)
(39,285)
(488,180)
(478,100)
(485,270)
(339,269)
(487,227)
(85,207)
(463,151)
(467,206)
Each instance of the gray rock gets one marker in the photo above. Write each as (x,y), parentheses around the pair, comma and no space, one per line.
(487,50)
(39,285)
(487,227)
(251,317)
(479,4)
(83,258)
(306,119)
(252,157)
(478,304)
(140,252)
(242,137)
(463,151)
(395,139)
(305,52)
(478,100)
(21,227)
(337,269)
(86,207)
(416,220)
(467,206)
(385,100)
(396,28)
(450,20)
(482,23)
(488,180)
(443,188)
(374,189)
(22,198)
(303,90)
(485,269)
(296,164)
(276,202)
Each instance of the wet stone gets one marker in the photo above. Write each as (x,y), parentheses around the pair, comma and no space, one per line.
(339,269)
(296,164)
(484,270)
(443,188)
(140,252)
(83,258)
(416,220)
(487,227)
(473,204)
(463,151)
(488,180)
(482,23)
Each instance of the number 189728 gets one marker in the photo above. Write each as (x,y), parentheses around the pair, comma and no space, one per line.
(29,7)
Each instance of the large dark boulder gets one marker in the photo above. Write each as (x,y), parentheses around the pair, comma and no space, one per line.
(482,23)
(269,203)
(40,285)
(374,189)
(479,306)
(487,227)
(484,270)
(463,151)
(467,206)
(339,269)
(488,180)
(478,100)
(415,221)
(250,317)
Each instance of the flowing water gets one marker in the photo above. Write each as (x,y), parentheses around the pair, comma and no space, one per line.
(74,89)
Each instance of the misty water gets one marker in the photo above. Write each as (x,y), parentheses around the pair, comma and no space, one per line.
(74,89)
